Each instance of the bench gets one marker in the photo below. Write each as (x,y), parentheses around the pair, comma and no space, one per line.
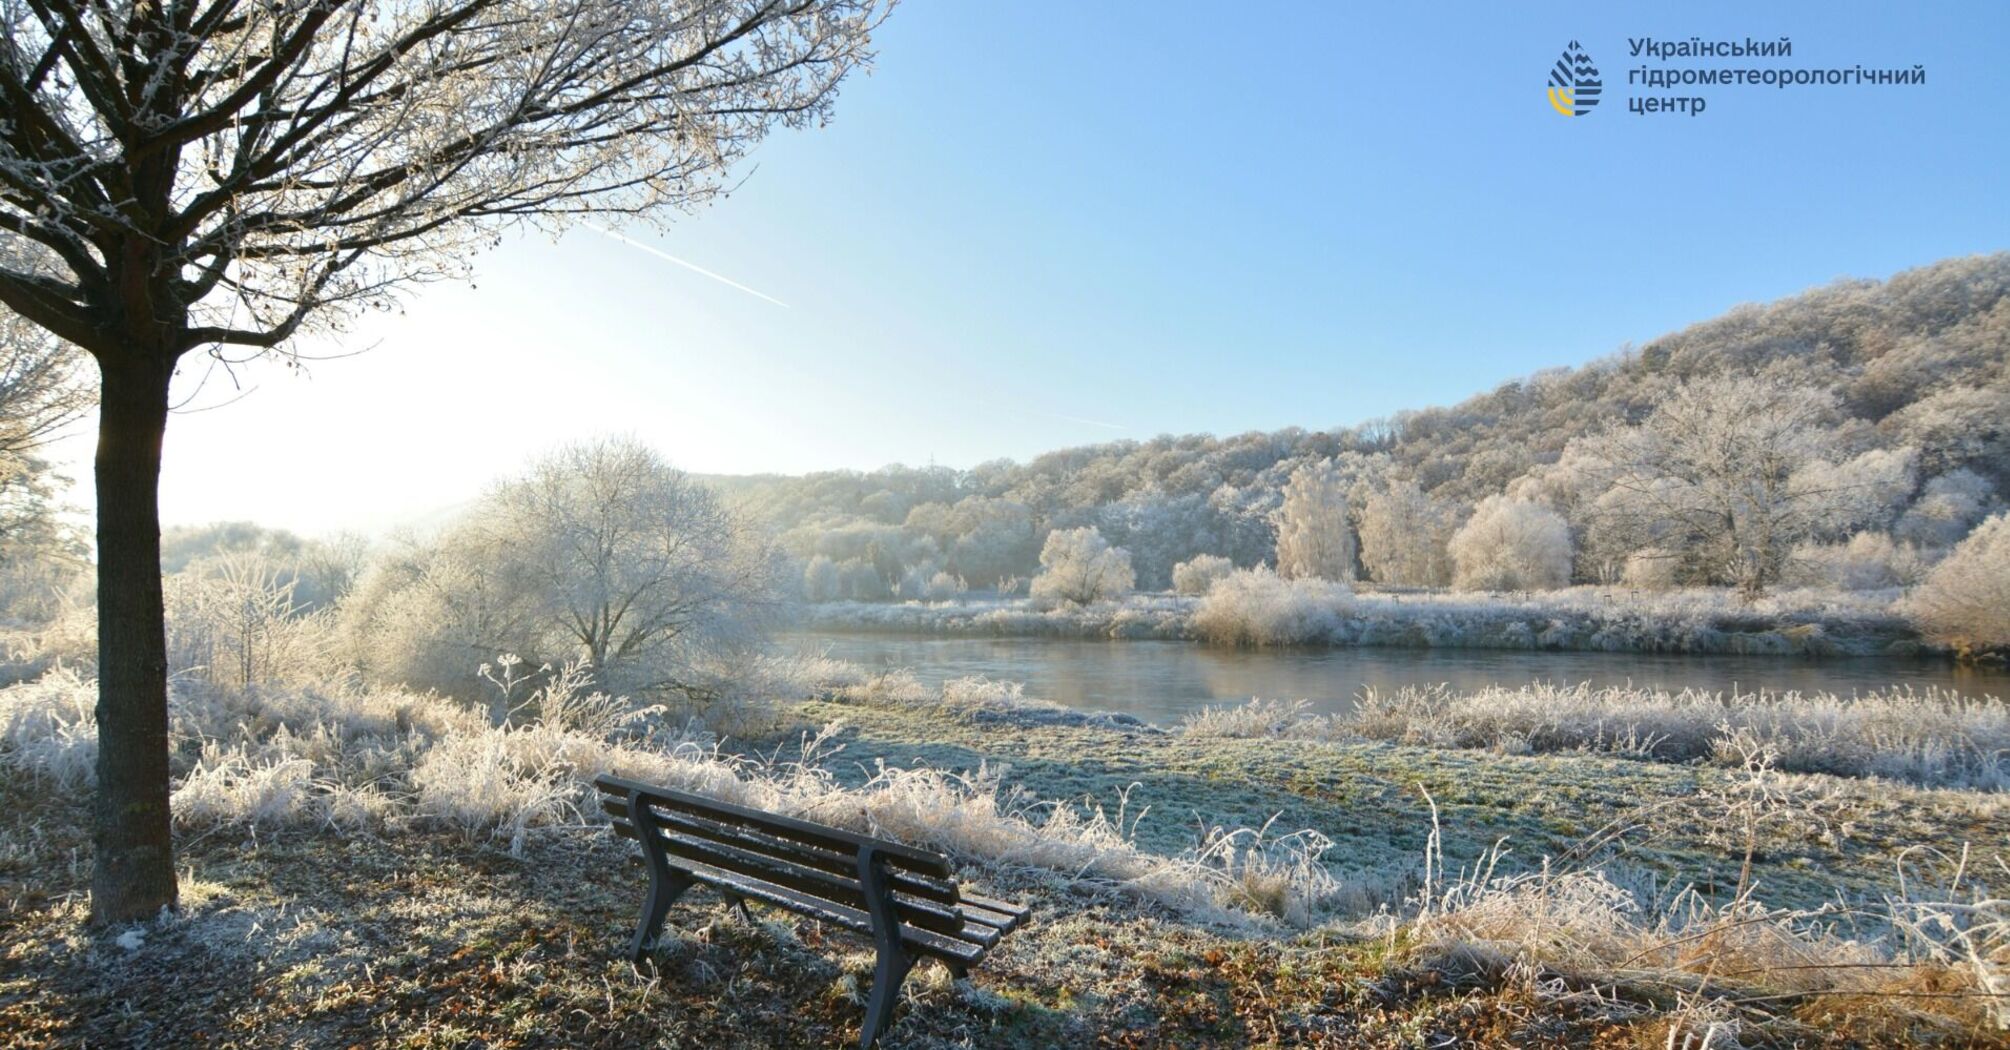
(905,899)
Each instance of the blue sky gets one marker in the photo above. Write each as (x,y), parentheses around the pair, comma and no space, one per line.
(1046,224)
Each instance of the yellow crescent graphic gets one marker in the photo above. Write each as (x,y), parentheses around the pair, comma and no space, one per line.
(1561,101)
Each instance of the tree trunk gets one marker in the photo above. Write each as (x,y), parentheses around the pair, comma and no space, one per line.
(133,877)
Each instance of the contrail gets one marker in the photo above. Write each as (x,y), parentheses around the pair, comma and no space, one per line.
(1073,419)
(667,257)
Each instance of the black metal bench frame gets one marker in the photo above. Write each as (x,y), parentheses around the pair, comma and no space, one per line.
(906,899)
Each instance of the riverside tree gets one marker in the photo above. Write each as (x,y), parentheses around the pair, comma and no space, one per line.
(1739,470)
(1080,566)
(184,176)
(1314,538)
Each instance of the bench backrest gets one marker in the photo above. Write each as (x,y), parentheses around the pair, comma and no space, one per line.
(809,858)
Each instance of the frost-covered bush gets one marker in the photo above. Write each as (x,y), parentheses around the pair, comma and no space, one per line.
(930,584)
(48,727)
(1867,561)
(1511,545)
(1199,573)
(1652,569)
(236,622)
(1965,600)
(1258,607)
(1947,508)
(1079,566)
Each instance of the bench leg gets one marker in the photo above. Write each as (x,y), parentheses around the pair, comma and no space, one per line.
(887,977)
(740,905)
(662,893)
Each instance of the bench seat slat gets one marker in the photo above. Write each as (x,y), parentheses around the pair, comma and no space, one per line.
(1016,911)
(843,865)
(897,855)
(839,890)
(926,942)
(986,917)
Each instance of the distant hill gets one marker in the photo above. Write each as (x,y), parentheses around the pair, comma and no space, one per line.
(1921,360)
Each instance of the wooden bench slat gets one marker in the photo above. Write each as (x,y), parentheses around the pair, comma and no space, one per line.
(685,848)
(927,942)
(842,865)
(987,917)
(897,855)
(1016,911)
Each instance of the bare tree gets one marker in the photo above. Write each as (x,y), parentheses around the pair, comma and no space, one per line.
(630,563)
(1740,469)
(184,175)
(42,391)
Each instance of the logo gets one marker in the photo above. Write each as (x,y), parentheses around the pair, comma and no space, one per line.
(1573,83)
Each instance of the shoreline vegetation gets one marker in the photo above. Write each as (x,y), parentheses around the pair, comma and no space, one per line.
(1809,622)
(1251,877)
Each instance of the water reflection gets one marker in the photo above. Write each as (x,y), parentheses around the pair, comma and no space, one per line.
(1160,681)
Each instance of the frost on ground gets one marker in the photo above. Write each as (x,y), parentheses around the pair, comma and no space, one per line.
(402,867)
(1932,738)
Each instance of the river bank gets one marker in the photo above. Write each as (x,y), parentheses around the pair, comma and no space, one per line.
(1593,619)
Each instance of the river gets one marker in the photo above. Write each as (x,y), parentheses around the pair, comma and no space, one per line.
(1160,681)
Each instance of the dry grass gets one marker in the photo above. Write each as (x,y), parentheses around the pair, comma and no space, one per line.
(1931,738)
(1227,942)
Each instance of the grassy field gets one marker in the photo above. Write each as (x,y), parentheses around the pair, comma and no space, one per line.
(408,930)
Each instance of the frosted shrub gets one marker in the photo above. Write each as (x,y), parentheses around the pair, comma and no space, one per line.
(230,786)
(1199,573)
(977,694)
(1257,607)
(1965,600)
(48,727)
(1652,569)
(235,623)
(929,584)
(1947,507)
(1079,566)
(1258,718)
(1868,561)
(1511,545)
(499,783)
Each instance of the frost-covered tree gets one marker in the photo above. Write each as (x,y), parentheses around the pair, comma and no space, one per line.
(1738,471)
(630,564)
(217,175)
(1511,545)
(1200,573)
(42,391)
(1078,565)
(821,582)
(1314,537)
(599,553)
(1404,536)
(1965,600)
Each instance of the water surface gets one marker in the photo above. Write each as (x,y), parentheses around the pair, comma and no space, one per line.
(1160,681)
